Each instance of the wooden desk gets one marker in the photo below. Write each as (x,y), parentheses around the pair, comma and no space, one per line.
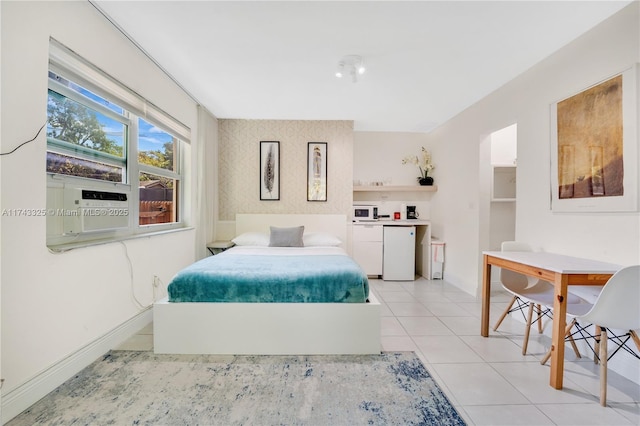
(560,270)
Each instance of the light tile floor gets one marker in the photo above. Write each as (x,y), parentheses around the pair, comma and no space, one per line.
(488,379)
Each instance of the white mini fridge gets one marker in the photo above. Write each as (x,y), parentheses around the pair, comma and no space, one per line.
(399,253)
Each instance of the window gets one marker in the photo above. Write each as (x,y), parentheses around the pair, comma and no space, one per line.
(103,137)
(84,138)
(158,180)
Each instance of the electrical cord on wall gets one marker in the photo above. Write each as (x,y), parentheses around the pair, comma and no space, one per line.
(133,293)
(25,142)
(130,266)
(156,283)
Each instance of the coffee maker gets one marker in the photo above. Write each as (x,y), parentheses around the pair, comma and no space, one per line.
(412,213)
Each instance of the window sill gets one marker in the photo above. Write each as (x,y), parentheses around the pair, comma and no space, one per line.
(61,248)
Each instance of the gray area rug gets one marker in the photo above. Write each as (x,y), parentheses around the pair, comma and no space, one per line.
(142,388)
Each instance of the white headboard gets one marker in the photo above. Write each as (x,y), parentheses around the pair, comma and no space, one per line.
(335,224)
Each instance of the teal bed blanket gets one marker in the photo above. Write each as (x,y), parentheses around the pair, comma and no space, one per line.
(271,279)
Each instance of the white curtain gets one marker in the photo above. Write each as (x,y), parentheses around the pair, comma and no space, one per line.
(206,163)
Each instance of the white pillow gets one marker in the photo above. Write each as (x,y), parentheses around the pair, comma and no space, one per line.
(320,239)
(252,239)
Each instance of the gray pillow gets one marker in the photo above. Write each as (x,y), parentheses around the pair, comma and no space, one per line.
(286,237)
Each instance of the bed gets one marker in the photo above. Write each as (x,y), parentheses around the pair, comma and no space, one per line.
(342,318)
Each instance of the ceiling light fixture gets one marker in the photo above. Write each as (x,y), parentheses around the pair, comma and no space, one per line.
(352,65)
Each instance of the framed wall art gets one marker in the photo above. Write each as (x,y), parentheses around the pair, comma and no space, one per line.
(317,171)
(594,149)
(269,170)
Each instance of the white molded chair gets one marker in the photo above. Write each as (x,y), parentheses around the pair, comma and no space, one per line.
(529,293)
(617,308)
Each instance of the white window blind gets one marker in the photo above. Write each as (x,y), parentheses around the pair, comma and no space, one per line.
(65,61)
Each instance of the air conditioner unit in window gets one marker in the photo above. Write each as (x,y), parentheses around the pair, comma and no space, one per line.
(88,210)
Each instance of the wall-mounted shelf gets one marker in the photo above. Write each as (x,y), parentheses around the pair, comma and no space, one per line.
(396,188)
(503,183)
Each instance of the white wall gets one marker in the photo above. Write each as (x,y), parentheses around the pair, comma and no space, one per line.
(502,224)
(607,49)
(377,157)
(53,305)
(504,145)
(239,174)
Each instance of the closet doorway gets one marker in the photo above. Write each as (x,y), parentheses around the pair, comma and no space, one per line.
(502,207)
(497,195)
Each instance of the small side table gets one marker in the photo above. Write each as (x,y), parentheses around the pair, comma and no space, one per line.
(217,247)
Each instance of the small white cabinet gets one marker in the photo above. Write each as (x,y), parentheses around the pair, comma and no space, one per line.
(367,248)
(368,245)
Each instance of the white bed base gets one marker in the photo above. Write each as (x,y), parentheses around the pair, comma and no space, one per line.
(266,328)
(270,328)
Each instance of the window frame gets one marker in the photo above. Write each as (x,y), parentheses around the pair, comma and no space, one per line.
(68,66)
(68,148)
(158,171)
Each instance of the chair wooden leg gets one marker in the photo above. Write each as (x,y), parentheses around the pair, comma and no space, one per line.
(603,367)
(527,330)
(539,318)
(567,332)
(596,345)
(504,314)
(635,338)
(570,337)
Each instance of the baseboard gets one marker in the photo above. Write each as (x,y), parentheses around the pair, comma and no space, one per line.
(19,399)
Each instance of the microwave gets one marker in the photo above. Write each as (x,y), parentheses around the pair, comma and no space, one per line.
(365,213)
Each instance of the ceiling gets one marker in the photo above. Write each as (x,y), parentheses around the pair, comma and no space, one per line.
(426,60)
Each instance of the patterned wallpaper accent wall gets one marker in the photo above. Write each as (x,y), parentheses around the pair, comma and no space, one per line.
(239,168)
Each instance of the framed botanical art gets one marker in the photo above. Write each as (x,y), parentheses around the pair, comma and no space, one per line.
(269,170)
(594,150)
(317,171)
